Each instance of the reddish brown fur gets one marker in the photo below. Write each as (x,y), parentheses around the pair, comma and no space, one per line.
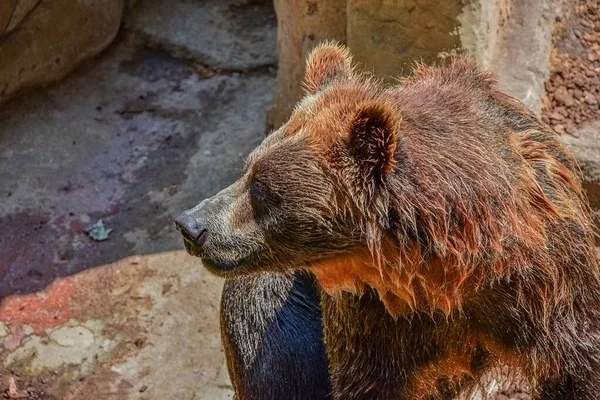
(440,287)
(523,211)
(325,66)
(474,252)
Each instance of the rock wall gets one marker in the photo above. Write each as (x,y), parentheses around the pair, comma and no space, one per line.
(387,36)
(301,25)
(41,41)
(512,38)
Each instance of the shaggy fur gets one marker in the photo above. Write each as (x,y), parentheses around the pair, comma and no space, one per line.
(273,337)
(444,221)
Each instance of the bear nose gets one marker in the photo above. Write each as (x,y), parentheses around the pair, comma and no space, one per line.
(192,227)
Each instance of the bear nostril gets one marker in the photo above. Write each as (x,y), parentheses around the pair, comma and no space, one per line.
(191,229)
(201,237)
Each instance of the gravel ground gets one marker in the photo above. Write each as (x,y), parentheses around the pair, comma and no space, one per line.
(573,90)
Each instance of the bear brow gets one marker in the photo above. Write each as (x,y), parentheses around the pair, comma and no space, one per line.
(259,152)
(276,159)
(253,158)
(262,167)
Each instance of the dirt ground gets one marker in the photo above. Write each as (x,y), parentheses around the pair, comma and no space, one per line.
(158,122)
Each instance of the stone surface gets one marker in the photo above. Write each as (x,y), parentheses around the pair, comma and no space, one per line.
(6,11)
(522,66)
(227,35)
(385,37)
(44,41)
(145,327)
(133,140)
(20,11)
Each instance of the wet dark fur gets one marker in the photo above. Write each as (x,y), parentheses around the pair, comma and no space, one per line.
(444,221)
(273,337)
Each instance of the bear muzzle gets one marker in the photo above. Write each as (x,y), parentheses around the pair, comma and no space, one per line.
(194,227)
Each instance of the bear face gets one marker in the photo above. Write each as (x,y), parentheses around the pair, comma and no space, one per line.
(299,195)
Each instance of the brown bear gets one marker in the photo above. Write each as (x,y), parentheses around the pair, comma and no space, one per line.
(444,222)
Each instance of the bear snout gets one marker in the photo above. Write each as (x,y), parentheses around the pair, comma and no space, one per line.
(193,227)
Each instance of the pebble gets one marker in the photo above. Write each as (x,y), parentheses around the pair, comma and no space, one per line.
(562,96)
(559,128)
(562,111)
(556,116)
(589,98)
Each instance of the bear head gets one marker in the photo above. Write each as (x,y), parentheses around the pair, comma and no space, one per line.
(315,188)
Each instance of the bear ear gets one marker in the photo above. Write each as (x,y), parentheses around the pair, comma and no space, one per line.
(326,63)
(374,138)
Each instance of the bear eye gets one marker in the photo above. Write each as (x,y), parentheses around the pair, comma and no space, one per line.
(257,191)
(263,198)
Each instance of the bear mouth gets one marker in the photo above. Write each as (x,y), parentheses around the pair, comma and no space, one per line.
(191,248)
(216,266)
(220,266)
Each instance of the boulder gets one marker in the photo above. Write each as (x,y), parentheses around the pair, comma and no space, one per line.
(229,35)
(43,40)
